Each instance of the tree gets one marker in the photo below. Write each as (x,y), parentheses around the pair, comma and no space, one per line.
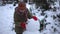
(42,3)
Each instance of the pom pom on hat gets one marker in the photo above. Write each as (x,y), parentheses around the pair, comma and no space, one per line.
(35,18)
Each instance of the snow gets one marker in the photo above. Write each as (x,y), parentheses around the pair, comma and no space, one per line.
(49,19)
(28,32)
(35,25)
(32,27)
(6,20)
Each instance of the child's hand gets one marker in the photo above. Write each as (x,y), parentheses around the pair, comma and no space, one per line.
(23,25)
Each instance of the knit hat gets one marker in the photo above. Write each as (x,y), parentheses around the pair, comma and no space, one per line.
(21,5)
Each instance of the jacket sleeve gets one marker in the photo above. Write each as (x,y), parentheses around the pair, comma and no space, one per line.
(29,14)
(15,14)
(16,17)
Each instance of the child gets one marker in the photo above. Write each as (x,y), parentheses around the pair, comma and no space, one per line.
(20,17)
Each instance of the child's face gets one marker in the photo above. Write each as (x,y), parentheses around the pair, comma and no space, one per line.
(22,6)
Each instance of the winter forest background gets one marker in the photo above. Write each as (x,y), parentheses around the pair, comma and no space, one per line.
(48,12)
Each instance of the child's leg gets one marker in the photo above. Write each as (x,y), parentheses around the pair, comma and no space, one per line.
(18,30)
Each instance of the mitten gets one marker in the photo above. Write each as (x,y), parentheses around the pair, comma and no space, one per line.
(23,25)
(35,18)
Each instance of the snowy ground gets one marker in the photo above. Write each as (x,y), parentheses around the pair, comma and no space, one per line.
(6,20)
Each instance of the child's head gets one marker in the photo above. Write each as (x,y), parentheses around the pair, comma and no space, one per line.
(22,5)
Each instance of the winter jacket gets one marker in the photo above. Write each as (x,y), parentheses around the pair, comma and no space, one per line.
(20,16)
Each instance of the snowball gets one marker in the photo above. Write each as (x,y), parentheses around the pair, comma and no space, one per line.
(32,25)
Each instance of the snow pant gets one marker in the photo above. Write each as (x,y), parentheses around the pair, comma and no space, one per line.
(18,29)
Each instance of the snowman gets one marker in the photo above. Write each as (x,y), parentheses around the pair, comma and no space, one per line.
(32,26)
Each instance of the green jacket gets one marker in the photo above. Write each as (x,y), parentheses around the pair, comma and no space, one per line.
(18,19)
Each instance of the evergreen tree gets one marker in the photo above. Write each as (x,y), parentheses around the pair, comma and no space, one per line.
(42,3)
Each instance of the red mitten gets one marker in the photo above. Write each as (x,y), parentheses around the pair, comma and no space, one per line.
(35,18)
(23,25)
